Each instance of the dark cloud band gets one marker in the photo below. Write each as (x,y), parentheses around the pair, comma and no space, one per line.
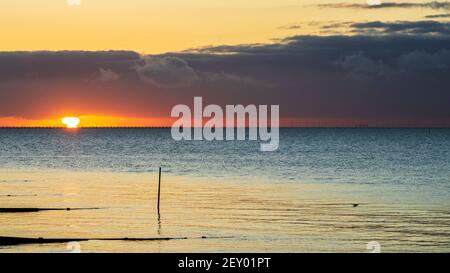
(363,76)
(406,5)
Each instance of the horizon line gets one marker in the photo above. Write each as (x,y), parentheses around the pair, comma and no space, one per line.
(257,127)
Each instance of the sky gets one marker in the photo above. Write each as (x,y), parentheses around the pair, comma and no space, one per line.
(128,62)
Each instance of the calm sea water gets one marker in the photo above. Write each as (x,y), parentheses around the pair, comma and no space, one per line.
(299,198)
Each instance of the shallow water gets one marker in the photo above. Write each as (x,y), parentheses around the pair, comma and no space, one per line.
(298,199)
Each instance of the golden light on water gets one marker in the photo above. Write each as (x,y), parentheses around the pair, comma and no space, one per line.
(71,122)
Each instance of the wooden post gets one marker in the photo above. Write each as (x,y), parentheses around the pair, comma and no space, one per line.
(159,188)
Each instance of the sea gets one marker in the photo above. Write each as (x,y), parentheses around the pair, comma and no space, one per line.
(323,190)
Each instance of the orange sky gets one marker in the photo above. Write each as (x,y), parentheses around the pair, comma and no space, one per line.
(88,121)
(160,26)
(124,122)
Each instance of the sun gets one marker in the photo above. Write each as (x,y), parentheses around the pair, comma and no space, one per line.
(71,122)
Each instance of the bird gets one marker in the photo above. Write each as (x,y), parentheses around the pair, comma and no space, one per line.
(355,205)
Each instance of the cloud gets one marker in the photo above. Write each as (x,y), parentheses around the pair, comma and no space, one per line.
(402,27)
(226,79)
(358,75)
(363,75)
(169,72)
(374,2)
(175,72)
(63,64)
(425,61)
(408,5)
(107,75)
(291,26)
(361,67)
(436,16)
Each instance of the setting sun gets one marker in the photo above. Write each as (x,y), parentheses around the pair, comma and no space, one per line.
(71,122)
